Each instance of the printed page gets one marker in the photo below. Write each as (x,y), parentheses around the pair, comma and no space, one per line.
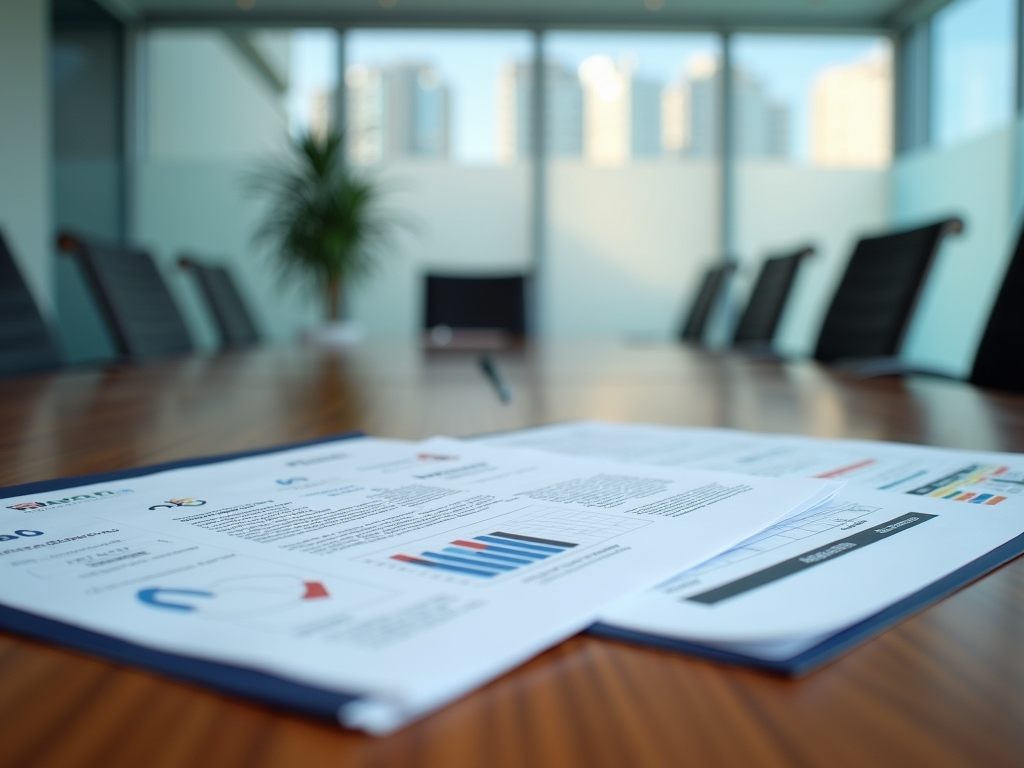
(803,579)
(789,586)
(973,477)
(404,573)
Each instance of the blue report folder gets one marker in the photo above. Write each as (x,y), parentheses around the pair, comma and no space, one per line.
(240,681)
(843,640)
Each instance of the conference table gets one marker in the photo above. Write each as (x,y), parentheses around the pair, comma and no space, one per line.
(943,688)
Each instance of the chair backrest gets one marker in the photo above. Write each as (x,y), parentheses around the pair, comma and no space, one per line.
(875,300)
(768,299)
(704,301)
(133,297)
(492,303)
(998,362)
(230,312)
(26,345)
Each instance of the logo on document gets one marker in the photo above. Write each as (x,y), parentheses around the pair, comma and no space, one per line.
(175,503)
(30,506)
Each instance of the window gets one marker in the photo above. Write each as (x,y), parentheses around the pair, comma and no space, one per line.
(813,132)
(425,95)
(633,206)
(613,99)
(814,100)
(425,111)
(973,45)
(312,80)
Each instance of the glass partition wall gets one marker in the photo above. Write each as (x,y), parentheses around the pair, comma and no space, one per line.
(812,137)
(431,113)
(591,159)
(633,182)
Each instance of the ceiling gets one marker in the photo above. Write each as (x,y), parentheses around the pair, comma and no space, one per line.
(837,15)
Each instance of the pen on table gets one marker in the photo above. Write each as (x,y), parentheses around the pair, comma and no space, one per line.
(490,369)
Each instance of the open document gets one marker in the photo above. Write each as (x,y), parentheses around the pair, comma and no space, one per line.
(400,574)
(974,477)
(913,524)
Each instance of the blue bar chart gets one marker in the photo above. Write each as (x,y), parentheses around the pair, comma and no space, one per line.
(488,555)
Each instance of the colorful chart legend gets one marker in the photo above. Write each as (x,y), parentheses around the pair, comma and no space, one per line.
(489,555)
(971,484)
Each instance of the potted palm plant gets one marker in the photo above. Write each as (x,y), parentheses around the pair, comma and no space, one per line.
(325,222)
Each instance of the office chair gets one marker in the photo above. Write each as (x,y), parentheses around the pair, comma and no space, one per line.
(231,315)
(26,345)
(704,301)
(875,300)
(756,328)
(999,363)
(474,311)
(143,317)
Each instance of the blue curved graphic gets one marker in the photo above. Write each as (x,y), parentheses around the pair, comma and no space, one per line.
(155,596)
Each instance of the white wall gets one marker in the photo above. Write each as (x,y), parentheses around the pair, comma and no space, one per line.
(625,246)
(973,180)
(205,101)
(782,207)
(25,141)
(210,119)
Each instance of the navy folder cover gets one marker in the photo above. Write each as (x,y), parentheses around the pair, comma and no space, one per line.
(240,681)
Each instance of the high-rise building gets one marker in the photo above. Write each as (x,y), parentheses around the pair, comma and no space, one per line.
(398,111)
(564,114)
(318,113)
(762,123)
(851,114)
(364,88)
(690,113)
(416,115)
(689,109)
(621,112)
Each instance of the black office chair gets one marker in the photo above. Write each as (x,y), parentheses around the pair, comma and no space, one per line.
(26,345)
(145,321)
(704,301)
(998,363)
(230,313)
(760,319)
(875,300)
(470,311)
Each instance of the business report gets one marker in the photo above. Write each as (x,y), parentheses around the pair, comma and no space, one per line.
(404,574)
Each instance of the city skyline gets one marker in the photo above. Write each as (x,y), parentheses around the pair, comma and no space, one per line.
(491,110)
(605,112)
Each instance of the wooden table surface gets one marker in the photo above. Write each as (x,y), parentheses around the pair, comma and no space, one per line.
(944,688)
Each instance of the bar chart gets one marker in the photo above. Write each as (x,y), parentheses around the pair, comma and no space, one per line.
(488,555)
(528,536)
